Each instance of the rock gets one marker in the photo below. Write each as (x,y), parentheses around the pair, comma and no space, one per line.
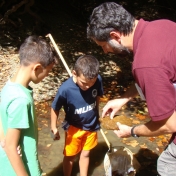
(111,124)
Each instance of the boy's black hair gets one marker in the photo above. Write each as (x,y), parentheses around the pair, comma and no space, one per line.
(87,65)
(36,49)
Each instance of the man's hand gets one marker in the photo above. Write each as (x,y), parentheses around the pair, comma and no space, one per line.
(124,130)
(113,106)
(55,134)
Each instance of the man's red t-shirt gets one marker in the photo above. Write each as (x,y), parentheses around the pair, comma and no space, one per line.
(154,66)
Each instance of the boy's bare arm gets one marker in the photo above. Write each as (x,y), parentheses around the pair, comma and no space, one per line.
(54,130)
(12,140)
(2,140)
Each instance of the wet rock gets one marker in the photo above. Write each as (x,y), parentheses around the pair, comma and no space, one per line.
(111,124)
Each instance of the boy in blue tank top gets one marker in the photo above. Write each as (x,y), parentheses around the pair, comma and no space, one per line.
(17,112)
(79,96)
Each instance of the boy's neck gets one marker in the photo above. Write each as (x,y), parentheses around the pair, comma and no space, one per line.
(22,77)
(74,80)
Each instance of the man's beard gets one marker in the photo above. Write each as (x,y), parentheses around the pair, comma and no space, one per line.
(118,49)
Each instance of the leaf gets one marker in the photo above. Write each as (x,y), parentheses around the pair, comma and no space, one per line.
(151,139)
(161,136)
(136,121)
(140,116)
(105,132)
(132,143)
(164,140)
(48,145)
(103,99)
(159,143)
(160,150)
(124,139)
(143,146)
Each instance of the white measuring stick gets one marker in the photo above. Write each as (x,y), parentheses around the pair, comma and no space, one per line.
(59,53)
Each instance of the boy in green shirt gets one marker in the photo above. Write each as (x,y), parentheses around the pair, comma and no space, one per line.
(17,110)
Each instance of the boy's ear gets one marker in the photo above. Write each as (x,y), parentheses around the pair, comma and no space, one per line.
(37,67)
(74,73)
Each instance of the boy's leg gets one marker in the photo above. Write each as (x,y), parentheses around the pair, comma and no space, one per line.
(89,141)
(84,162)
(67,165)
(166,164)
(72,147)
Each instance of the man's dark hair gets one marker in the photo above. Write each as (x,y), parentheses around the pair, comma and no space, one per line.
(109,17)
(87,65)
(36,49)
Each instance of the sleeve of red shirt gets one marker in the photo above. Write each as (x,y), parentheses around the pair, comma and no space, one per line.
(158,90)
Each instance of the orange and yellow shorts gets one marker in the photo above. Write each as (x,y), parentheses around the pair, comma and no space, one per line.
(77,139)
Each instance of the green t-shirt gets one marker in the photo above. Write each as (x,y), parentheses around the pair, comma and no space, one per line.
(17,111)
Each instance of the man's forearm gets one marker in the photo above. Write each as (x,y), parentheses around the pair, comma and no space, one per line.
(151,129)
(156,128)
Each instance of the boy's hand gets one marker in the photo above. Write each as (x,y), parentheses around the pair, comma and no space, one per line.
(2,144)
(55,134)
(19,150)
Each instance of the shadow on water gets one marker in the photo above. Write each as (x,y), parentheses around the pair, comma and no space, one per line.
(146,158)
(148,161)
(96,158)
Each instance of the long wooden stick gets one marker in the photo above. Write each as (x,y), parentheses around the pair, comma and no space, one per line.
(59,53)
(105,138)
